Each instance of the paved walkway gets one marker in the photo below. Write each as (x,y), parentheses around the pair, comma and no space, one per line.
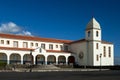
(69,70)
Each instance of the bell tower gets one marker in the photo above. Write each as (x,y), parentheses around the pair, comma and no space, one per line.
(93,30)
(93,38)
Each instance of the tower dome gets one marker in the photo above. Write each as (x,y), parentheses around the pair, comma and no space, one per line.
(93,24)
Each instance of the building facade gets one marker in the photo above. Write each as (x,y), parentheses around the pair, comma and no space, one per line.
(90,51)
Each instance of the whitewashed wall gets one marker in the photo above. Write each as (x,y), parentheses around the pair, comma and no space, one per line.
(77,48)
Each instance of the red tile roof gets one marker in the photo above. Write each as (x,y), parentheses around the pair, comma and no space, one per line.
(32,38)
(78,41)
(21,37)
(84,40)
(105,42)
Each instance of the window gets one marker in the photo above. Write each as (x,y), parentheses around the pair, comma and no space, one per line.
(88,33)
(15,57)
(50,46)
(43,46)
(4,57)
(104,51)
(40,50)
(36,44)
(56,46)
(97,45)
(32,44)
(25,45)
(97,57)
(15,43)
(97,33)
(2,41)
(7,42)
(109,51)
(66,48)
(61,47)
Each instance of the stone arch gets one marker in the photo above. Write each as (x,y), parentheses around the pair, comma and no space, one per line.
(71,59)
(27,59)
(61,59)
(3,57)
(51,59)
(40,59)
(15,58)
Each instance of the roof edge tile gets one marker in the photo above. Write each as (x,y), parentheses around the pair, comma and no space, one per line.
(22,37)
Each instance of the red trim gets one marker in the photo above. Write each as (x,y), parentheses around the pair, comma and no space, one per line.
(58,51)
(28,49)
(12,48)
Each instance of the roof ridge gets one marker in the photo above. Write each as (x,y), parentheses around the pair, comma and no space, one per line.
(103,41)
(80,40)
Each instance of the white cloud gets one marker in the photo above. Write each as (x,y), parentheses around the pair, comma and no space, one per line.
(12,28)
(27,33)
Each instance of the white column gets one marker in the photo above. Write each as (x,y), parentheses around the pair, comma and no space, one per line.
(66,60)
(21,59)
(46,60)
(34,60)
(8,59)
(56,60)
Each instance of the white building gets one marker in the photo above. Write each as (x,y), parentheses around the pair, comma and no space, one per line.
(90,51)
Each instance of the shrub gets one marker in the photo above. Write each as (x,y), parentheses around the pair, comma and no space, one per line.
(2,64)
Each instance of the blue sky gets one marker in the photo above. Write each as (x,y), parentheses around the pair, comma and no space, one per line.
(62,19)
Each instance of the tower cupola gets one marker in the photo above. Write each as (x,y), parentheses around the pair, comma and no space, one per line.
(93,24)
(93,30)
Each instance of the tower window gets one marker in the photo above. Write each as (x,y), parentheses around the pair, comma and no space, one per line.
(104,51)
(88,33)
(109,51)
(97,57)
(97,33)
(97,46)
